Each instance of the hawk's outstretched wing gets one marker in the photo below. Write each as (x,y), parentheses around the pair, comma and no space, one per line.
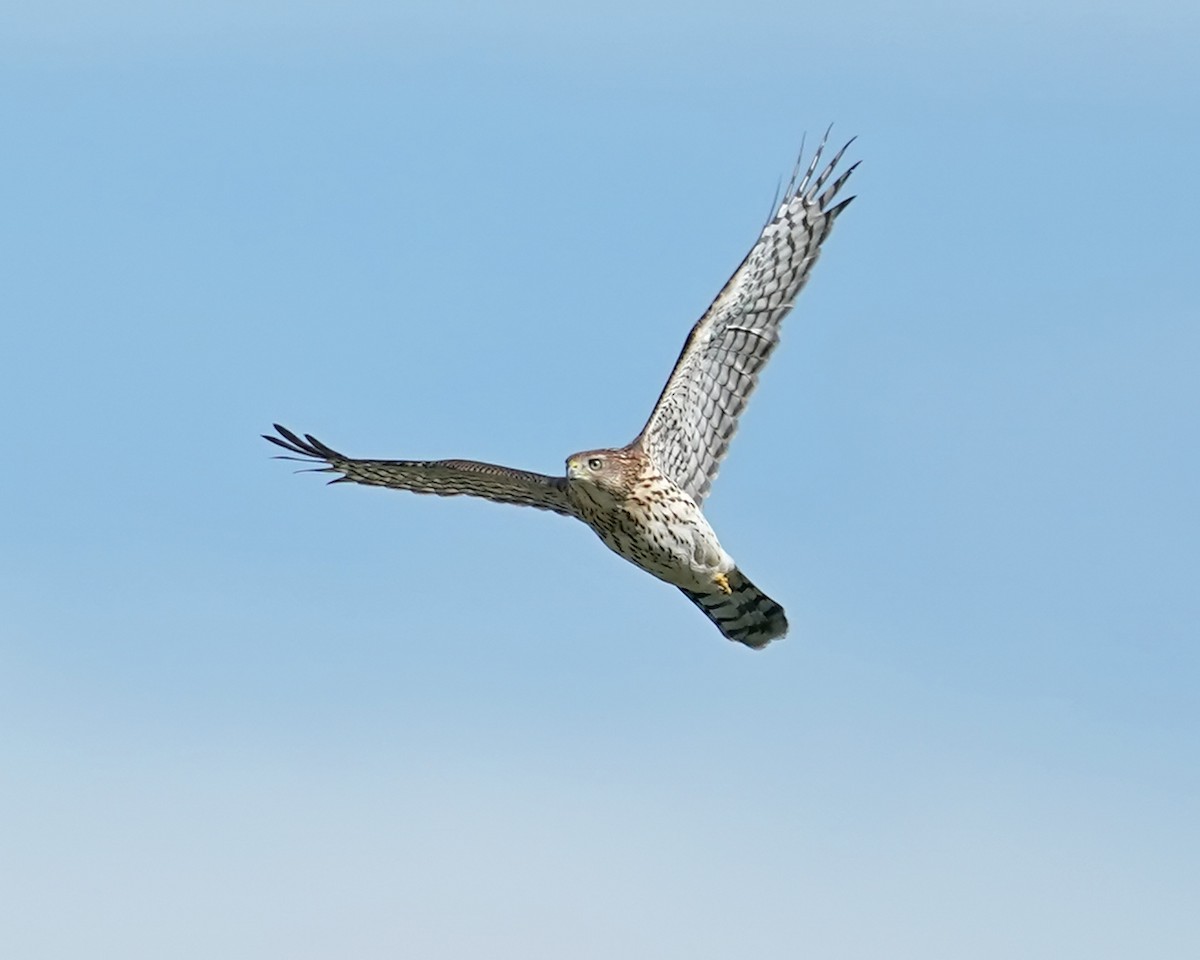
(446,478)
(691,425)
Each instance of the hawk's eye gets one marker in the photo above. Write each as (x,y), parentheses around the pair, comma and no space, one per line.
(595,463)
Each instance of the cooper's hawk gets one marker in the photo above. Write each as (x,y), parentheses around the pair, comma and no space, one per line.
(643,500)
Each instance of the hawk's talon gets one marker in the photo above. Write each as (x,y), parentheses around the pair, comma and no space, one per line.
(723,582)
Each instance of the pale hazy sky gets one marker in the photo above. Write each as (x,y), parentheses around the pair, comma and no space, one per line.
(248,716)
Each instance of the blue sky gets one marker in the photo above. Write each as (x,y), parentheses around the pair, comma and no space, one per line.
(250,716)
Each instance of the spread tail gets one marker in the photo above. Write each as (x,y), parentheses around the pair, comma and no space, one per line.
(746,614)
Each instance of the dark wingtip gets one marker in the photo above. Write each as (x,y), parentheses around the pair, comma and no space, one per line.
(293,444)
(288,435)
(278,442)
(309,447)
(316,445)
(834,212)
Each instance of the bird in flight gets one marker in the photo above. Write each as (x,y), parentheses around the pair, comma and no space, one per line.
(644,499)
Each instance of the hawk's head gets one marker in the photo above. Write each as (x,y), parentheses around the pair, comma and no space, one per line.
(611,474)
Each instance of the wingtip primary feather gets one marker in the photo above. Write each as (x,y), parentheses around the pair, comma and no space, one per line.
(281,443)
(815,174)
(834,212)
(797,166)
(810,194)
(802,188)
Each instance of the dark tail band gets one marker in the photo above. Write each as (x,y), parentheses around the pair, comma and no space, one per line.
(746,614)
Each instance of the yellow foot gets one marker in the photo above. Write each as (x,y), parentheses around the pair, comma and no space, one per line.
(720,580)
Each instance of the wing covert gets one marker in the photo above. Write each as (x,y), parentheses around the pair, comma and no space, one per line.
(444,478)
(697,413)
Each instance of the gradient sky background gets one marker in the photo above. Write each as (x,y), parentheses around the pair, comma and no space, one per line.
(248,716)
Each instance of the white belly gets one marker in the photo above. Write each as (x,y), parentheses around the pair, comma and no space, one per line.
(678,546)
